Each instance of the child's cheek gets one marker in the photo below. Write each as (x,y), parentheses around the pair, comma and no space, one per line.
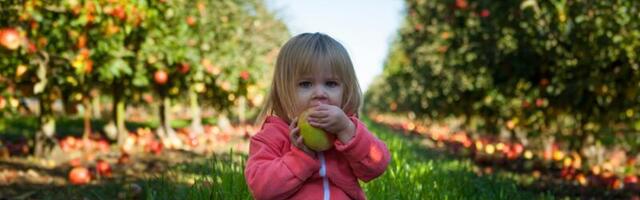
(303,102)
(336,99)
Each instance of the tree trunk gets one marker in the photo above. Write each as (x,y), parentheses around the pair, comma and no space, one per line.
(196,113)
(584,133)
(165,132)
(120,126)
(576,142)
(242,107)
(95,104)
(44,139)
(224,123)
(86,102)
(118,112)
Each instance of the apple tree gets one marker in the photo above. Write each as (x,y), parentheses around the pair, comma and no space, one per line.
(204,56)
(562,70)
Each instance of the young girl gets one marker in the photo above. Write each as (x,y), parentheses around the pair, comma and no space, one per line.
(313,71)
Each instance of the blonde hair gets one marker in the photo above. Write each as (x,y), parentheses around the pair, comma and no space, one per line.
(302,55)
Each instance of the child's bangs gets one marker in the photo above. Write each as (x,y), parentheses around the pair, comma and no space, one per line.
(319,60)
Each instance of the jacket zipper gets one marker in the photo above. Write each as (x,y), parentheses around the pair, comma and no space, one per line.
(325,180)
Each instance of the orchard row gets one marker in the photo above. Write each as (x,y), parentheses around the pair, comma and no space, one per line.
(613,171)
(541,71)
(200,53)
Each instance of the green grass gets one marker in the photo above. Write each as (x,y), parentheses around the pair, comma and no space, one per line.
(418,173)
(414,173)
(220,177)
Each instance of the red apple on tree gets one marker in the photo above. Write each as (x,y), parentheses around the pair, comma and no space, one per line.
(191,20)
(184,68)
(3,103)
(419,27)
(9,38)
(544,82)
(525,104)
(461,4)
(540,102)
(484,13)
(244,75)
(201,7)
(88,66)
(119,13)
(31,47)
(82,41)
(160,77)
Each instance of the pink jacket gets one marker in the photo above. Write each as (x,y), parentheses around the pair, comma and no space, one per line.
(278,170)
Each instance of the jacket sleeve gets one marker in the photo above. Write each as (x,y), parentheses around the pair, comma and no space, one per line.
(273,174)
(367,155)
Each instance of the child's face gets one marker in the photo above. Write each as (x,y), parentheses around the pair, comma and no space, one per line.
(318,88)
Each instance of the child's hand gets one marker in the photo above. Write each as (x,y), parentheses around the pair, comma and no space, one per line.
(296,139)
(333,120)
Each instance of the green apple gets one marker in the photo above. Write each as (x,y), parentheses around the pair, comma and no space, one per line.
(315,138)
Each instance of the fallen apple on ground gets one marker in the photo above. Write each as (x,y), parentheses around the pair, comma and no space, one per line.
(103,168)
(79,176)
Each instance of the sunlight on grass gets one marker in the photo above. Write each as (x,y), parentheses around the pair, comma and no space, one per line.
(220,177)
(417,173)
(414,173)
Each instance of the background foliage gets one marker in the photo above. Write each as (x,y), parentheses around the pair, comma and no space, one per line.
(135,52)
(563,70)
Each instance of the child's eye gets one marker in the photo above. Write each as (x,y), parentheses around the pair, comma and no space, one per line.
(332,84)
(304,84)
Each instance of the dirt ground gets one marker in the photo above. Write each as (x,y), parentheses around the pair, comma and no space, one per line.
(22,176)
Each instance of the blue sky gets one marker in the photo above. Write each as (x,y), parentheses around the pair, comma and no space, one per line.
(365,28)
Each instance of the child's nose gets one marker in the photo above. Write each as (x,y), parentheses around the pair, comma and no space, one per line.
(319,92)
(319,96)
